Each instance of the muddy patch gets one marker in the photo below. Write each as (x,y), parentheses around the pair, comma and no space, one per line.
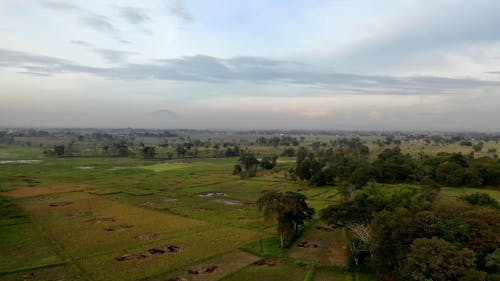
(44,190)
(7,154)
(169,200)
(305,244)
(118,228)
(49,197)
(148,253)
(177,279)
(203,270)
(147,236)
(201,209)
(244,219)
(79,214)
(60,204)
(20,161)
(128,257)
(212,194)
(322,228)
(266,262)
(229,202)
(85,168)
(146,204)
(116,168)
(99,220)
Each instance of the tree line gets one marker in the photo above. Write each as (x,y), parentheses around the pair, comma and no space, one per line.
(349,164)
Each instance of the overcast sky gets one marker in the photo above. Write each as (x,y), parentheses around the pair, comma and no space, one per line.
(225,64)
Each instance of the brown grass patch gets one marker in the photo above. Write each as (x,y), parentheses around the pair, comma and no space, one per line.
(147,236)
(43,190)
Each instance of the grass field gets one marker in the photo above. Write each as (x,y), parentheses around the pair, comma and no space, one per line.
(75,218)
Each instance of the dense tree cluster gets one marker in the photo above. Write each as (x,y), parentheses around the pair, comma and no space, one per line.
(248,164)
(278,141)
(404,233)
(350,164)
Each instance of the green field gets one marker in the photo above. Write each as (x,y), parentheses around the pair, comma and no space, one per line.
(73,218)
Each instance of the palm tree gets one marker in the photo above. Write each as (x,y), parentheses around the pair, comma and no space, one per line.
(289,208)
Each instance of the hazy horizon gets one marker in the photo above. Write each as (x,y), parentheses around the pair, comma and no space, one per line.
(333,65)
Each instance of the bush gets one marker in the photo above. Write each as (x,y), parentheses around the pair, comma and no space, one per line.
(480,199)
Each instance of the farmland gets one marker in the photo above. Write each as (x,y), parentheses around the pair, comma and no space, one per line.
(133,218)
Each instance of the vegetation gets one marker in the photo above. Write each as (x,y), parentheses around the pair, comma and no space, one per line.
(390,206)
(290,210)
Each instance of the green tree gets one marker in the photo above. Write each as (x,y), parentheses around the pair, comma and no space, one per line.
(438,260)
(450,173)
(268,162)
(59,150)
(478,146)
(493,261)
(148,152)
(480,199)
(289,209)
(248,161)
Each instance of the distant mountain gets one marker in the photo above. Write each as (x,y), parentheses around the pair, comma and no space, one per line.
(163,114)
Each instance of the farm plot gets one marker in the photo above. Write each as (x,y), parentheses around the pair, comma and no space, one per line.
(110,240)
(320,244)
(156,258)
(211,269)
(85,224)
(268,270)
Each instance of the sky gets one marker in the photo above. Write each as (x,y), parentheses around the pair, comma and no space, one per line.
(225,64)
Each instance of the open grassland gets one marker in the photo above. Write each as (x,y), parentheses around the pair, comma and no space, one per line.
(115,219)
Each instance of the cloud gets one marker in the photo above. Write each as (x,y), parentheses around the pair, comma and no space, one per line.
(113,55)
(178,9)
(99,23)
(134,15)
(432,30)
(81,43)
(59,6)
(203,68)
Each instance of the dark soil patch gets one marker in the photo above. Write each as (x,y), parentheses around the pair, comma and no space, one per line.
(268,262)
(128,257)
(60,204)
(203,270)
(322,228)
(156,251)
(212,194)
(177,279)
(99,220)
(152,251)
(200,209)
(79,214)
(147,236)
(173,248)
(119,227)
(305,244)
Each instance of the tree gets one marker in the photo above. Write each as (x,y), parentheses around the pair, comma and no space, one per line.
(478,147)
(59,150)
(180,150)
(248,161)
(392,166)
(268,162)
(450,173)
(438,260)
(493,261)
(289,209)
(480,199)
(148,152)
